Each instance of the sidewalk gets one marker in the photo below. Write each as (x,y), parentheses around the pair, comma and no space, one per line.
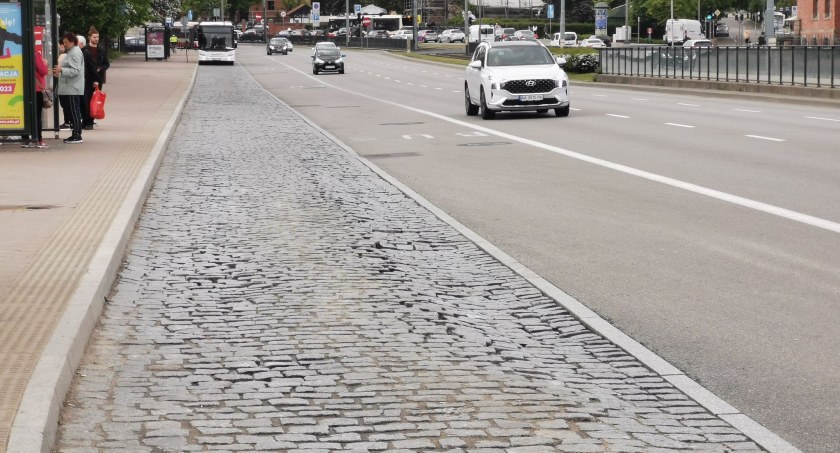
(66,213)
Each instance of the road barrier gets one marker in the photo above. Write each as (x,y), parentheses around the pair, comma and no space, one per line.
(796,66)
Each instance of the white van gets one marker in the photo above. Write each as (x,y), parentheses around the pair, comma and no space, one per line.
(680,30)
(570,39)
(486,33)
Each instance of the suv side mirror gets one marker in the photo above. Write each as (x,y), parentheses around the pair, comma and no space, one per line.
(475,64)
(561,61)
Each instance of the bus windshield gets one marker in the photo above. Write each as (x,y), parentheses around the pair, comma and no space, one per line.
(215,37)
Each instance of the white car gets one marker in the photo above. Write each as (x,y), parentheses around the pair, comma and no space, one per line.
(697,43)
(515,76)
(452,35)
(592,42)
(324,45)
(569,39)
(402,34)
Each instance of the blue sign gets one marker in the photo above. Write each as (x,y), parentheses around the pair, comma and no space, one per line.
(316,17)
(357,8)
(189,15)
(550,11)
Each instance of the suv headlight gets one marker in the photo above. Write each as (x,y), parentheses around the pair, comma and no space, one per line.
(319,61)
(339,61)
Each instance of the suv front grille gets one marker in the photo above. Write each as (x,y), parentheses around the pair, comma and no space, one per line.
(524,86)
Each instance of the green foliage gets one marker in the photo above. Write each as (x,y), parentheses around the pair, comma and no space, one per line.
(578,60)
(111,17)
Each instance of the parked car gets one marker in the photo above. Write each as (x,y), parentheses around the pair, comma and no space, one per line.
(427,36)
(520,35)
(402,34)
(328,59)
(592,42)
(569,39)
(452,35)
(278,45)
(378,34)
(722,31)
(504,34)
(697,43)
(515,76)
(135,43)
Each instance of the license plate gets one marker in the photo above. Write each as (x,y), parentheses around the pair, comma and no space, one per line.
(329,66)
(531,97)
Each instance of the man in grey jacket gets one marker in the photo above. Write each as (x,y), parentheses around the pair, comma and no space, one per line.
(71,83)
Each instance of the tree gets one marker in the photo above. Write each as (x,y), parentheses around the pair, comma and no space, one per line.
(111,17)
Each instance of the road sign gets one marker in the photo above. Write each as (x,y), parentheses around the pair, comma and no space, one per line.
(357,9)
(316,6)
(316,17)
(717,12)
(550,11)
(366,21)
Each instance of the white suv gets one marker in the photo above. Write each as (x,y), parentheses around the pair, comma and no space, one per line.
(514,76)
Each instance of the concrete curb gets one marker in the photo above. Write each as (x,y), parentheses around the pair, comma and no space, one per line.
(715,405)
(36,423)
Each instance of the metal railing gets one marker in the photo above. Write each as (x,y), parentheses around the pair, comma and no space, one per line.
(354,41)
(798,65)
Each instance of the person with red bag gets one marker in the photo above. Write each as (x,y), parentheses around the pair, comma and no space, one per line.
(96,64)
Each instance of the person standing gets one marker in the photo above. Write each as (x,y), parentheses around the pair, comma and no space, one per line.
(96,63)
(65,105)
(71,83)
(41,71)
(747,37)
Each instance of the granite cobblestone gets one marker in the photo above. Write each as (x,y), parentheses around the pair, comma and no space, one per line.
(278,295)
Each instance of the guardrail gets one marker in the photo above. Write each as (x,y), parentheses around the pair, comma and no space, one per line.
(365,42)
(798,65)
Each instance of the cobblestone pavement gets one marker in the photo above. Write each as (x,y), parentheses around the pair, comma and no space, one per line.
(279,296)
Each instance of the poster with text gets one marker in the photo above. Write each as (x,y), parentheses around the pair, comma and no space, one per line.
(11,67)
(154,44)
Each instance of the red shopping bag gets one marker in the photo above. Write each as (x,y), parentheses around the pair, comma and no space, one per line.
(97,104)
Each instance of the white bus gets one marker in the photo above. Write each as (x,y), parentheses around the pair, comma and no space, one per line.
(778,23)
(216,42)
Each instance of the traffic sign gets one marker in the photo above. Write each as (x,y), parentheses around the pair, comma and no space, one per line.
(550,11)
(717,12)
(366,21)
(282,14)
(357,9)
(316,6)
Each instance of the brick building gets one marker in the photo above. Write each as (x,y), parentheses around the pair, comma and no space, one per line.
(819,21)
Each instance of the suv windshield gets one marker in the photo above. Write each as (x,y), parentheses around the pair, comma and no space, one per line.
(518,56)
(328,52)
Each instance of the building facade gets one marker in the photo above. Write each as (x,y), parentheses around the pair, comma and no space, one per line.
(819,21)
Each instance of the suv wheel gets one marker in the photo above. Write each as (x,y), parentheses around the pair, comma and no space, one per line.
(486,113)
(472,109)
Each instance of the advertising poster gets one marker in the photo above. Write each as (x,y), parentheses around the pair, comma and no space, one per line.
(11,67)
(600,21)
(155,44)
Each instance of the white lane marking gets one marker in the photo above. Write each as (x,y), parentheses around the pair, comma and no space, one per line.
(687,186)
(471,134)
(409,136)
(687,105)
(760,137)
(395,80)
(600,95)
(747,110)
(680,125)
(387,78)
(822,119)
(438,88)
(456,91)
(638,99)
(576,110)
(617,116)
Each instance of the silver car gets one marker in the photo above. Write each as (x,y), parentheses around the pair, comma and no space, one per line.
(452,35)
(515,76)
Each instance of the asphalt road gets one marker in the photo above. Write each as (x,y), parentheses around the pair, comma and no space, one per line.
(707,229)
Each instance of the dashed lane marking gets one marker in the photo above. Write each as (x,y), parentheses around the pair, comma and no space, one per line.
(617,116)
(822,119)
(761,137)
(680,125)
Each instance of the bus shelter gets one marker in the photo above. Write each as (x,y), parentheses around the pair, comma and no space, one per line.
(28,30)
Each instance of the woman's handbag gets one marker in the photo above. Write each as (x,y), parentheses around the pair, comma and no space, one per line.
(97,104)
(47,98)
(46,93)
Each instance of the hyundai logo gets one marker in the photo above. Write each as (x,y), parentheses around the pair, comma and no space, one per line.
(531,83)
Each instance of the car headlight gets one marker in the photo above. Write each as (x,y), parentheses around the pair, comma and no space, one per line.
(339,61)
(319,61)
